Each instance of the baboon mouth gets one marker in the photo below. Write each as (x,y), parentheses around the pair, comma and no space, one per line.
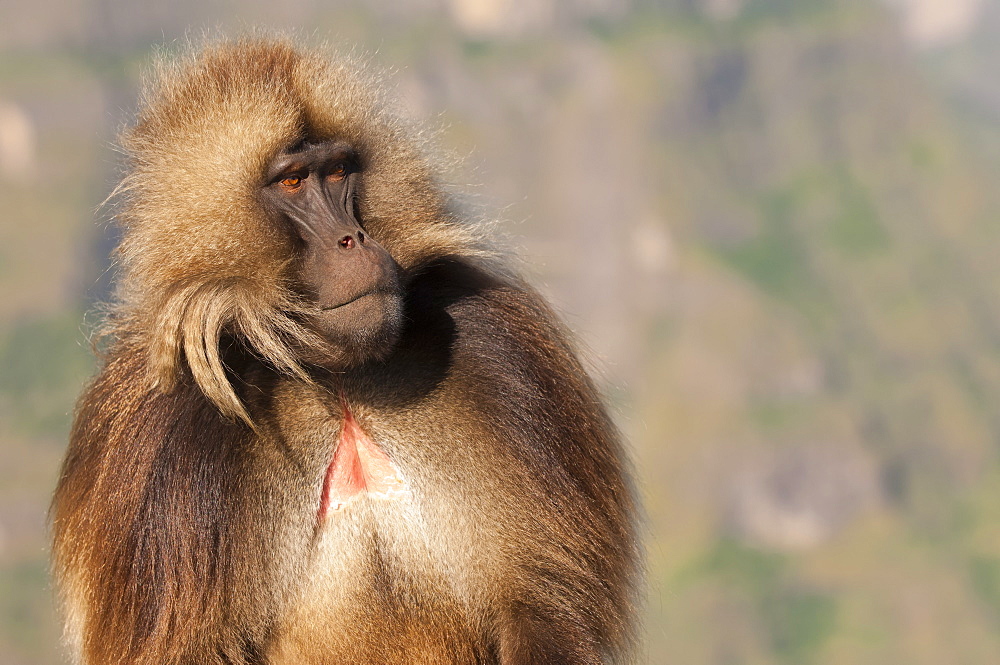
(356,298)
(384,291)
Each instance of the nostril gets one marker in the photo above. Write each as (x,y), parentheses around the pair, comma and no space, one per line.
(347,242)
(361,237)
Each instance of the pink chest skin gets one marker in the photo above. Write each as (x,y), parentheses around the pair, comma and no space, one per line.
(358,467)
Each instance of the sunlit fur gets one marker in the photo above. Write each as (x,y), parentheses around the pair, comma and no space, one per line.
(186,520)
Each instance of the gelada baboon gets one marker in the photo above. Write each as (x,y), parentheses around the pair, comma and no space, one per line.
(330,427)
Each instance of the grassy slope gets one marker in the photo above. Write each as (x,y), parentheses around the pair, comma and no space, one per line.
(844,232)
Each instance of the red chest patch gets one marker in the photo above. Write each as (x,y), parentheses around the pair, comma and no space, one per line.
(358,467)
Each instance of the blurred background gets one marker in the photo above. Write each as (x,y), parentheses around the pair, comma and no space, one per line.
(774,223)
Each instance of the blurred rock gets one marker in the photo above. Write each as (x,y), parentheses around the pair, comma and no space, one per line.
(722,9)
(931,23)
(799,498)
(18,151)
(653,247)
(501,17)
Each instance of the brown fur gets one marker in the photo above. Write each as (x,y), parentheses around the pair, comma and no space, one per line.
(185,518)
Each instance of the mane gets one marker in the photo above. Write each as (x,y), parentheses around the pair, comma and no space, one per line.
(199,259)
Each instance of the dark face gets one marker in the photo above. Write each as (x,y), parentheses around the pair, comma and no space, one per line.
(351,279)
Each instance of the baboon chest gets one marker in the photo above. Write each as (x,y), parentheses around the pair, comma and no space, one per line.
(381,581)
(359,469)
(374,589)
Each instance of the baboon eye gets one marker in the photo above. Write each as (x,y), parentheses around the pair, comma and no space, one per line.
(291,182)
(338,171)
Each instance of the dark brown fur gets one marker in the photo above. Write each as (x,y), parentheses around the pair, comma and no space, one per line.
(185,518)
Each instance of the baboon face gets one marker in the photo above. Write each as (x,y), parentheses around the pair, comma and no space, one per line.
(349,278)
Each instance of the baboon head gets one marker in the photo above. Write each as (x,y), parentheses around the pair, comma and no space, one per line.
(276,205)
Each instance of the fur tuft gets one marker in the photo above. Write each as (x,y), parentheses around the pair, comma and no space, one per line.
(190,325)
